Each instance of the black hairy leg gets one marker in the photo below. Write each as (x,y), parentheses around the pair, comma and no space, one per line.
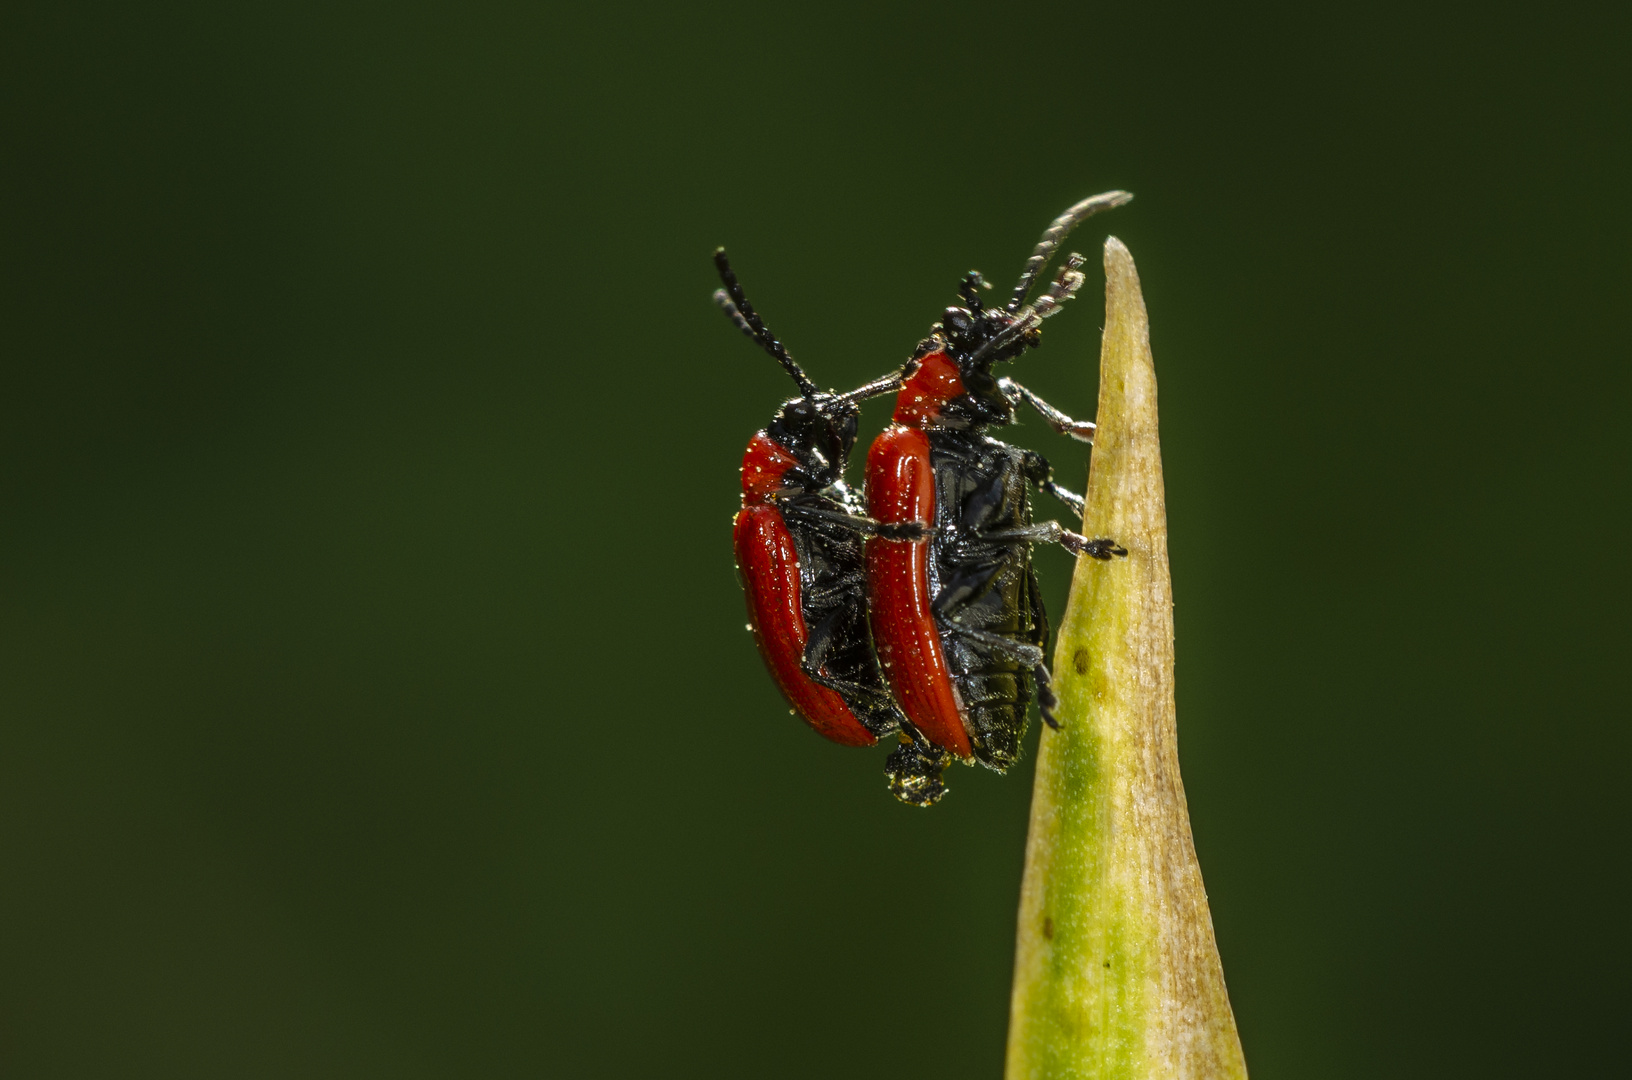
(1080,430)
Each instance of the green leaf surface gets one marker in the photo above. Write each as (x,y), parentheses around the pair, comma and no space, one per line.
(1117,974)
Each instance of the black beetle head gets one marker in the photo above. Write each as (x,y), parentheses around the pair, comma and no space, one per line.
(820,431)
(975,338)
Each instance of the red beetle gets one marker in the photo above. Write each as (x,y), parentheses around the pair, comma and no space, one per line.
(958,623)
(798,541)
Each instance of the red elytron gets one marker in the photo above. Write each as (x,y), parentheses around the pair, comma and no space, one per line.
(901,487)
(958,623)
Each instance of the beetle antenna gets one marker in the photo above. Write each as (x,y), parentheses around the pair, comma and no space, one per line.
(1056,233)
(886,384)
(1064,287)
(742,313)
(969,290)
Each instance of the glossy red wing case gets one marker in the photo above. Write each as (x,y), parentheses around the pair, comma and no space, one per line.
(769,565)
(901,487)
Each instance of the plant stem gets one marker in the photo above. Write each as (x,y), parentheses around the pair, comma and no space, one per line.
(1116,970)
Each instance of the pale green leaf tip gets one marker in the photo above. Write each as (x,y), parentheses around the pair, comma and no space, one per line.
(1116,972)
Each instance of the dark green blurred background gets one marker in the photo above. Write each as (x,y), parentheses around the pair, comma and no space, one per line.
(374,695)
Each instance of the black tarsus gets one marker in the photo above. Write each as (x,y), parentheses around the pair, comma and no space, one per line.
(755,327)
(1104,549)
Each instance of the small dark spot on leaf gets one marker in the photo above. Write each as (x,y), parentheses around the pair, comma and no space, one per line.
(1079,661)
(1107,963)
(1048,927)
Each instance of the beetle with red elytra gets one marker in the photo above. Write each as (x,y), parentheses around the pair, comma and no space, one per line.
(959,623)
(939,641)
(798,540)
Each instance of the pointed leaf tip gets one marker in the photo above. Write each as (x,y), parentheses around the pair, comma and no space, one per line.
(1117,973)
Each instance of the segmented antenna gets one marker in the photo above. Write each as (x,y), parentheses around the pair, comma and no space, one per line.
(1056,233)
(969,289)
(742,313)
(1064,287)
(731,312)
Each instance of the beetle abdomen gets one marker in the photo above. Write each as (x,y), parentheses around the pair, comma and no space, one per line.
(985,600)
(768,563)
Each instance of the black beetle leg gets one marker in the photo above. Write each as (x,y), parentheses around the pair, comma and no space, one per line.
(889,530)
(1052,532)
(1080,430)
(1074,502)
(1041,473)
(1019,651)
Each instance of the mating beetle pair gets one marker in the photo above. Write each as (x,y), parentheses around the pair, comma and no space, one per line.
(921,616)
